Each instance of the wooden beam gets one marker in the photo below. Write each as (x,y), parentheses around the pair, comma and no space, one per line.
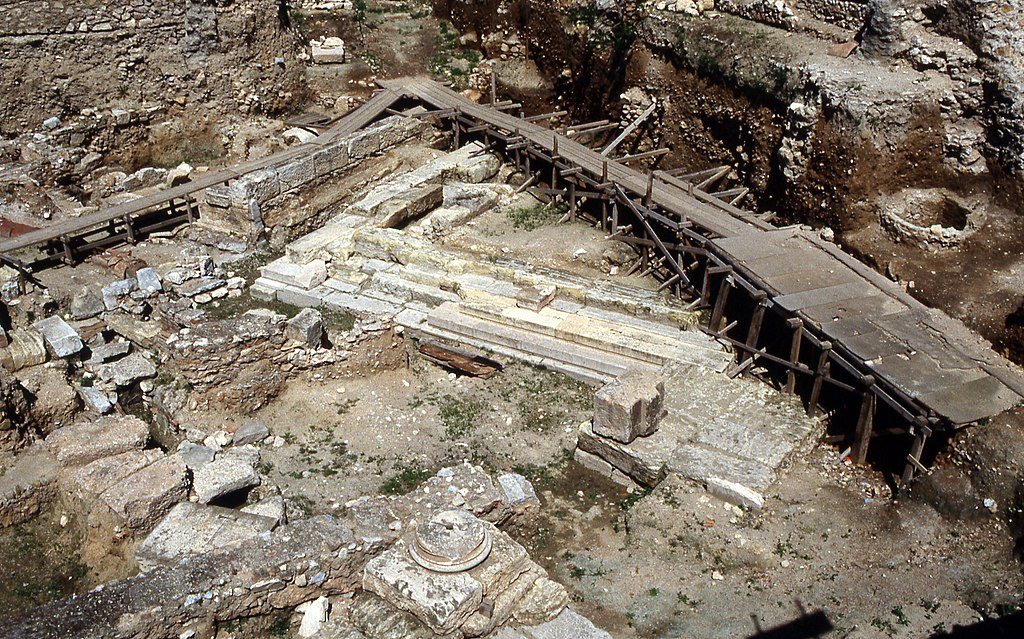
(796,325)
(754,331)
(629,129)
(865,422)
(646,154)
(819,374)
(717,315)
(544,116)
(914,457)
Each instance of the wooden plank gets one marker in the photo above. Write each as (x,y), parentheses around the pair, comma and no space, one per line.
(815,276)
(629,129)
(461,361)
(825,295)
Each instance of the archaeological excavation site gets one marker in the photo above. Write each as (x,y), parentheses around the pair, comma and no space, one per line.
(511,319)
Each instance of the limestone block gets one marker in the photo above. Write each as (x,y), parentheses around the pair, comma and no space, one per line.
(27,486)
(330,159)
(106,352)
(86,304)
(84,442)
(91,480)
(314,614)
(261,185)
(398,211)
(296,173)
(644,460)
(629,407)
(195,456)
(252,431)
(222,477)
(25,348)
(95,399)
(441,600)
(306,327)
(127,370)
(193,529)
(271,507)
(113,292)
(535,298)
(329,50)
(138,331)
(297,135)
(149,280)
(61,339)
(545,600)
(301,276)
(145,496)
(734,493)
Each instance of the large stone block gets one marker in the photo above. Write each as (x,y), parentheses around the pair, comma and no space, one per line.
(331,158)
(223,476)
(644,460)
(296,173)
(193,529)
(88,441)
(306,327)
(61,339)
(91,480)
(443,601)
(629,407)
(142,498)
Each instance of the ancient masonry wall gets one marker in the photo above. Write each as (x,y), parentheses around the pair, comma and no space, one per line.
(62,57)
(848,14)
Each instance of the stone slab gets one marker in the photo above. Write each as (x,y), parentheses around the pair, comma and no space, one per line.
(61,339)
(192,529)
(143,497)
(83,442)
(644,460)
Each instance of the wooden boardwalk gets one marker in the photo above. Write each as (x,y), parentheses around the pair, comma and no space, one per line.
(61,231)
(826,319)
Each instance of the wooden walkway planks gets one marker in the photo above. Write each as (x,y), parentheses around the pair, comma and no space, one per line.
(805,278)
(350,123)
(874,320)
(668,196)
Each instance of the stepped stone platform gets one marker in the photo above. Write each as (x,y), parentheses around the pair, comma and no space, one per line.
(731,435)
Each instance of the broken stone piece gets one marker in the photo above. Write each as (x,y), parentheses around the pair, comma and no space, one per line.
(113,292)
(149,280)
(84,442)
(61,339)
(542,603)
(251,432)
(313,616)
(25,347)
(86,304)
(630,406)
(222,477)
(306,327)
(106,352)
(519,494)
(195,456)
(192,529)
(328,50)
(95,399)
(127,370)
(535,298)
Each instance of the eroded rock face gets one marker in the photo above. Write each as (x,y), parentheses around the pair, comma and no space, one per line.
(84,442)
(13,412)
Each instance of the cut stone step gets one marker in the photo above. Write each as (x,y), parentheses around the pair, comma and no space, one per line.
(448,317)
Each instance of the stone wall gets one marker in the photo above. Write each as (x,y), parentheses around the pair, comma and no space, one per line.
(848,14)
(63,57)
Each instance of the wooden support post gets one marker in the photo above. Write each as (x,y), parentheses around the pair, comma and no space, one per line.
(754,331)
(572,200)
(69,254)
(650,189)
(718,314)
(604,172)
(604,215)
(796,325)
(128,229)
(914,458)
(494,87)
(615,215)
(819,378)
(865,422)
(189,211)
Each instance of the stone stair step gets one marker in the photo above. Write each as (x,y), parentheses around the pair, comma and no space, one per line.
(393,283)
(703,463)
(448,316)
